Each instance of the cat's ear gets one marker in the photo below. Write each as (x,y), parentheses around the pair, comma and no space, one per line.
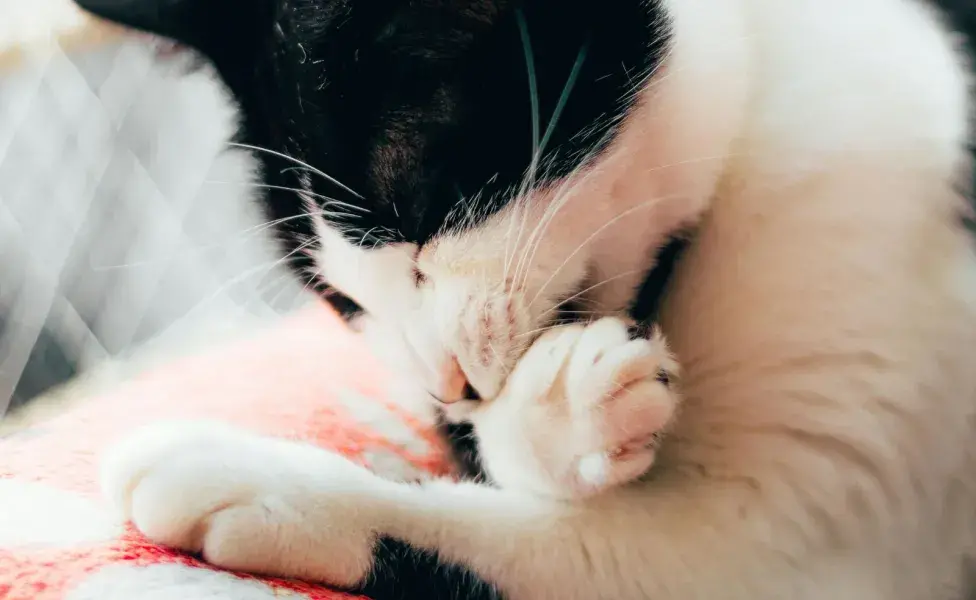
(220,29)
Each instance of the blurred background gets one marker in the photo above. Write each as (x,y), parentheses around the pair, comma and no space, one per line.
(127,231)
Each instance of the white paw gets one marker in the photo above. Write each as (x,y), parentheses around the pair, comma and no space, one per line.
(245,502)
(582,411)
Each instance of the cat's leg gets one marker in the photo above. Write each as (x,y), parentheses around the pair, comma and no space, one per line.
(260,504)
(283,508)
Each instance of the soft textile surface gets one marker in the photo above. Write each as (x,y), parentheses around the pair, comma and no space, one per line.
(307,378)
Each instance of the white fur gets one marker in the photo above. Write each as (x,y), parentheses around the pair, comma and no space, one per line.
(240,496)
(825,318)
(579,414)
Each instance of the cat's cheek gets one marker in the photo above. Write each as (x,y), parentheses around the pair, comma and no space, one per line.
(403,374)
(386,344)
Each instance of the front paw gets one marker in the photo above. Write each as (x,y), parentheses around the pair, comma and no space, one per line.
(245,502)
(581,413)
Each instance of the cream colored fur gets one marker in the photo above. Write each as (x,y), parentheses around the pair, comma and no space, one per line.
(825,319)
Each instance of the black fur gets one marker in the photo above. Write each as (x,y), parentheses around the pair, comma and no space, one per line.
(410,104)
(413,105)
(960,16)
(403,572)
(647,302)
(464,449)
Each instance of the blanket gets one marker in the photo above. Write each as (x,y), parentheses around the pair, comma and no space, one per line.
(307,377)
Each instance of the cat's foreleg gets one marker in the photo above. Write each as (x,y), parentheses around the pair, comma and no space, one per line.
(270,506)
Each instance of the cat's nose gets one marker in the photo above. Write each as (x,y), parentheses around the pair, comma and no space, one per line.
(454,384)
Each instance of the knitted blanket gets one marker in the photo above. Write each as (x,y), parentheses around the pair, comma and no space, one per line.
(307,377)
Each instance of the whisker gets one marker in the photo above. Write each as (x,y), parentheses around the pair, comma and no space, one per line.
(523,27)
(539,331)
(563,195)
(281,281)
(283,156)
(691,161)
(267,186)
(244,233)
(583,313)
(535,118)
(261,270)
(559,203)
(539,147)
(647,204)
(511,246)
(589,289)
(498,358)
(269,267)
(362,240)
(564,96)
(312,279)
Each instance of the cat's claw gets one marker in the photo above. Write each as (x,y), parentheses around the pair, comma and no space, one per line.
(582,411)
(244,501)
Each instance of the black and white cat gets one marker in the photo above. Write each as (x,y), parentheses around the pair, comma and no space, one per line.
(482,187)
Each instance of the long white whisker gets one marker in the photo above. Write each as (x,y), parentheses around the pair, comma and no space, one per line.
(535,236)
(312,278)
(262,269)
(362,240)
(267,287)
(641,206)
(550,128)
(593,287)
(498,358)
(563,195)
(267,186)
(549,217)
(540,330)
(244,233)
(283,156)
(538,146)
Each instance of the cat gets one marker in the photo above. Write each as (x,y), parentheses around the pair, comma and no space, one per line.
(477,168)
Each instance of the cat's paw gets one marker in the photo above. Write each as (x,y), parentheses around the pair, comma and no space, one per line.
(582,411)
(245,502)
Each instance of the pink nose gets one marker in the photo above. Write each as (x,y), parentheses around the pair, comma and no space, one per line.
(453,383)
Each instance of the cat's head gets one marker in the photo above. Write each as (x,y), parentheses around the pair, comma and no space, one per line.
(445,158)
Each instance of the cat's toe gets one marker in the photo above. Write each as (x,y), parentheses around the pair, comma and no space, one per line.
(620,401)
(582,412)
(125,465)
(244,501)
(169,478)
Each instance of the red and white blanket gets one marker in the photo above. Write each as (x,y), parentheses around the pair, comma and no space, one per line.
(307,377)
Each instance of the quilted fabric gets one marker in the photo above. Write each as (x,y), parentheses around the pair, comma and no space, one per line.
(306,378)
(124,218)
